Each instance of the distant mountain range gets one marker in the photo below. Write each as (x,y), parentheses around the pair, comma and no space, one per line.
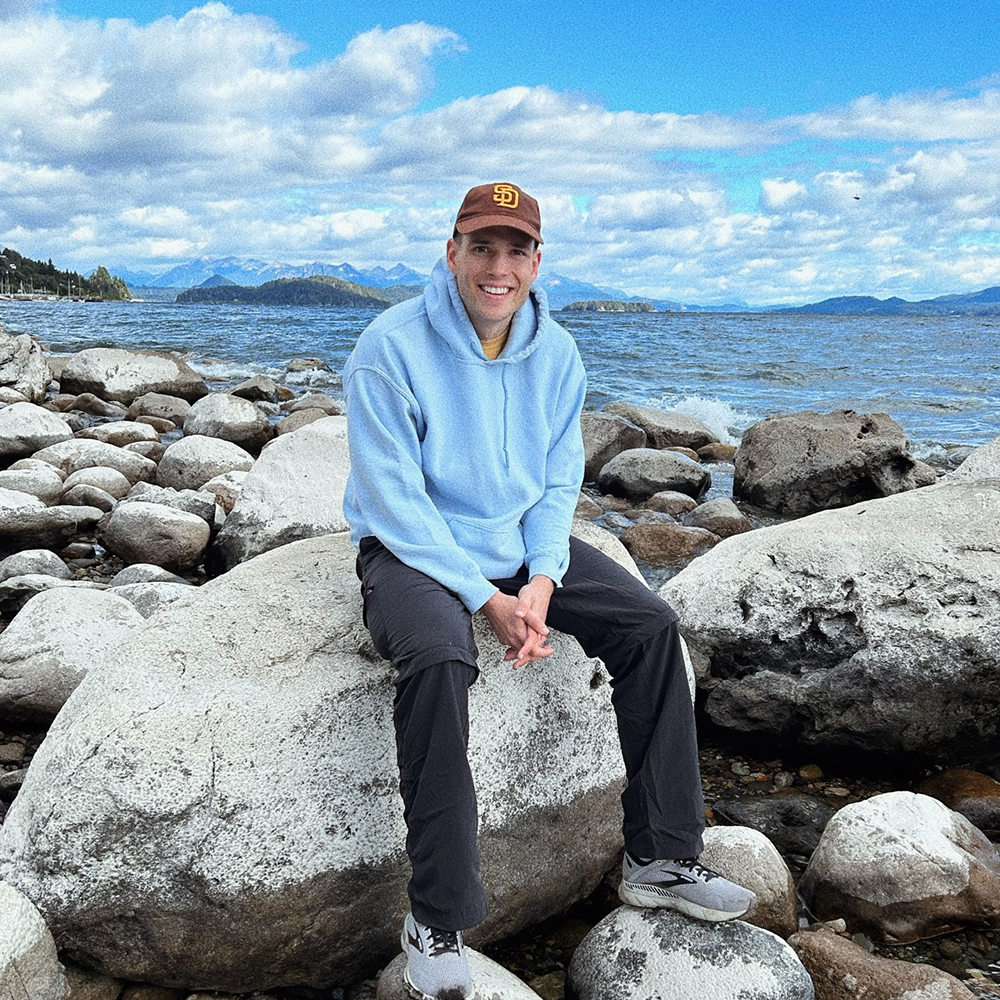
(213,272)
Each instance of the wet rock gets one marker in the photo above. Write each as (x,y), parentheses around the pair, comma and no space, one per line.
(640,472)
(717,452)
(604,436)
(667,544)
(842,969)
(191,462)
(900,867)
(664,430)
(720,516)
(797,463)
(973,794)
(792,821)
(636,954)
(116,374)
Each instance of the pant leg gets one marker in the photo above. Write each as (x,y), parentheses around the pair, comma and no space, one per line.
(619,619)
(426,632)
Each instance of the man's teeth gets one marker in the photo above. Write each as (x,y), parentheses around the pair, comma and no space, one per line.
(494,290)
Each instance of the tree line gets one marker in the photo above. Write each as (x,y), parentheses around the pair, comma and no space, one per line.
(22,275)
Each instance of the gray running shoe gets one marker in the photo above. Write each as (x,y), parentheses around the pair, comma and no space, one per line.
(683,885)
(436,964)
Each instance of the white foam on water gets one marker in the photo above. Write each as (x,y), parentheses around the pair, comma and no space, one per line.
(724,420)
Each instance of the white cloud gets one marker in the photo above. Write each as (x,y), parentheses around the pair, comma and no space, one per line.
(779,192)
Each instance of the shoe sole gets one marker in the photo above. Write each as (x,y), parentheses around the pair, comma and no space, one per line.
(637,894)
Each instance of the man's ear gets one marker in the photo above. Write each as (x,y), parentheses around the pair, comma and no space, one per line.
(449,255)
(537,261)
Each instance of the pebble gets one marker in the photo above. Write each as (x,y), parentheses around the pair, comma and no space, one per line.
(810,772)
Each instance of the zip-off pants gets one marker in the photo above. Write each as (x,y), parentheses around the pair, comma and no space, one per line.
(426,632)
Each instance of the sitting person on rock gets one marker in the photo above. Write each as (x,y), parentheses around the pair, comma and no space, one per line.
(467,458)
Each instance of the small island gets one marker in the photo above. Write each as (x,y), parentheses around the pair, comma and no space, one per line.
(317,290)
(610,305)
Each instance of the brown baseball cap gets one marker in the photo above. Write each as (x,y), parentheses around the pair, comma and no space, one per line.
(500,205)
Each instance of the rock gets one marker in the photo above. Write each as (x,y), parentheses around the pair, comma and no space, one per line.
(87,402)
(33,464)
(109,480)
(44,483)
(159,424)
(29,561)
(25,427)
(796,463)
(667,544)
(42,527)
(145,573)
(155,533)
(160,749)
(10,783)
(23,367)
(604,436)
(792,821)
(587,508)
(14,501)
(686,452)
(191,462)
(976,796)
(831,631)
(119,432)
(720,516)
(747,857)
(491,981)
(193,501)
(9,395)
(307,364)
(29,964)
(607,543)
(161,405)
(983,463)
(640,472)
(153,450)
(16,591)
(148,598)
(671,502)
(87,985)
(317,400)
(900,867)
(225,488)
(77,453)
(717,452)
(663,429)
(116,374)
(636,954)
(85,495)
(842,969)
(300,418)
(294,491)
(48,648)
(221,415)
(260,387)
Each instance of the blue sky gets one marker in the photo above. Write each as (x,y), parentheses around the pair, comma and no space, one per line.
(704,152)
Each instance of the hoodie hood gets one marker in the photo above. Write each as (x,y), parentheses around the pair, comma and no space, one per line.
(450,321)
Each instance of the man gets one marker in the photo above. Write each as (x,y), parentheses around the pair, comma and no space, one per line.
(466,462)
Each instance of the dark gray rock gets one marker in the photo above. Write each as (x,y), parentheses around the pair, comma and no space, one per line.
(792,821)
(604,436)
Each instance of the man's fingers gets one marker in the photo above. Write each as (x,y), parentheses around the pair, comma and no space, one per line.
(533,619)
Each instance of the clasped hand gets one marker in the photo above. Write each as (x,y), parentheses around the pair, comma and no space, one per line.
(519,622)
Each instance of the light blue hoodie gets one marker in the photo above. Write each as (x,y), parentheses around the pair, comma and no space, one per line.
(465,468)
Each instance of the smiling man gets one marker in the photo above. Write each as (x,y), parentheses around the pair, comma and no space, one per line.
(467,458)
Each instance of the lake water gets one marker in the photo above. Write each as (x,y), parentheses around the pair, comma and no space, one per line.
(938,376)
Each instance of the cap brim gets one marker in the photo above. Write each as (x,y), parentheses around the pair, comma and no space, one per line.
(486,221)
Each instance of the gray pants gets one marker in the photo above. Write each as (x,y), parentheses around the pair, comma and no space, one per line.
(426,632)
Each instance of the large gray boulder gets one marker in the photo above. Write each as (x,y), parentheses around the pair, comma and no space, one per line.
(636,954)
(117,374)
(29,964)
(900,867)
(142,532)
(796,463)
(23,366)
(639,473)
(231,418)
(25,428)
(295,490)
(663,429)
(191,462)
(983,463)
(52,642)
(604,436)
(851,628)
(237,756)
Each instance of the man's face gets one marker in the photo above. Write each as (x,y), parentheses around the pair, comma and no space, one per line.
(494,269)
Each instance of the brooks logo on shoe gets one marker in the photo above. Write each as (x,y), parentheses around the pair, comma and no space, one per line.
(416,942)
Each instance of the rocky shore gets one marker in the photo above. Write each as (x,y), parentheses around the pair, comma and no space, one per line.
(212,807)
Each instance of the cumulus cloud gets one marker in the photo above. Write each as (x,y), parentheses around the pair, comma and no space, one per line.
(212,133)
